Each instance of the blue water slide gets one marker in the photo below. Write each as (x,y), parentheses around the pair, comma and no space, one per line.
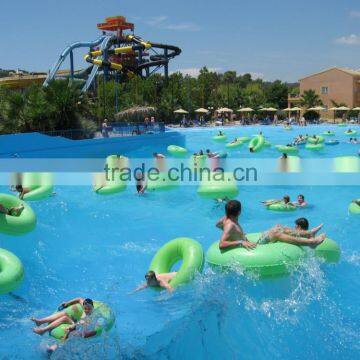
(95,69)
(68,51)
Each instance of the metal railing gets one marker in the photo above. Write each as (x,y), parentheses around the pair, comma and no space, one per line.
(114,130)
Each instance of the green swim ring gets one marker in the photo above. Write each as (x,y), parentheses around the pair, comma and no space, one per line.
(185,249)
(217,185)
(220,138)
(350,133)
(257,143)
(244,139)
(177,151)
(354,208)
(342,125)
(11,271)
(114,179)
(272,259)
(328,133)
(281,207)
(160,181)
(317,140)
(290,150)
(16,225)
(314,147)
(39,184)
(234,145)
(102,317)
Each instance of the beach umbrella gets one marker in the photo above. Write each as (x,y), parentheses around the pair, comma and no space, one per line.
(271,109)
(224,110)
(248,109)
(181,111)
(202,111)
(343,108)
(135,113)
(263,109)
(296,108)
(356,108)
(316,108)
(287,109)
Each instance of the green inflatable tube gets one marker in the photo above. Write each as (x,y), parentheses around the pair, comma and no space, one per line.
(185,249)
(217,185)
(177,151)
(159,181)
(257,143)
(39,184)
(103,316)
(328,133)
(314,147)
(271,259)
(281,206)
(347,164)
(244,139)
(350,133)
(16,225)
(234,145)
(354,208)
(220,138)
(317,140)
(341,125)
(290,150)
(115,183)
(11,271)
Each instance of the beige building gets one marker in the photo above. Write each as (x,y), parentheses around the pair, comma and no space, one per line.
(341,85)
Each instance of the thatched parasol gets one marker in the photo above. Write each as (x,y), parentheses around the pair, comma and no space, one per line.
(136,113)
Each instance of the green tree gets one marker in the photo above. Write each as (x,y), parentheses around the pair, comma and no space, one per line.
(310,99)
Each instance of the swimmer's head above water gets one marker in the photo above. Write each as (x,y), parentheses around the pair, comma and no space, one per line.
(302,224)
(88,306)
(233,208)
(286,199)
(151,279)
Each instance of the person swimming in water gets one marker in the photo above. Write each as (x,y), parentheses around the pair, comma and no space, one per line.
(232,232)
(141,184)
(234,141)
(12,211)
(220,133)
(356,201)
(300,201)
(22,191)
(161,280)
(285,200)
(299,235)
(70,313)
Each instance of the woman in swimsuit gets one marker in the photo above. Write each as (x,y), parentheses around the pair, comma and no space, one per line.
(70,313)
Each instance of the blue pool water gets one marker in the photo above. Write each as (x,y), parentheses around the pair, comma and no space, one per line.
(100,247)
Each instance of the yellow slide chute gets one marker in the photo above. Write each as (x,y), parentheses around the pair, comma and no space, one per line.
(92,56)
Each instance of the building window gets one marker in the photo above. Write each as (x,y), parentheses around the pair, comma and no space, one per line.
(324,90)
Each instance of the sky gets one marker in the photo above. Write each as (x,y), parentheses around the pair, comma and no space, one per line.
(271,39)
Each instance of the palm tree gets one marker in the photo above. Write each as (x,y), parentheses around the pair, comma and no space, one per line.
(310,99)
